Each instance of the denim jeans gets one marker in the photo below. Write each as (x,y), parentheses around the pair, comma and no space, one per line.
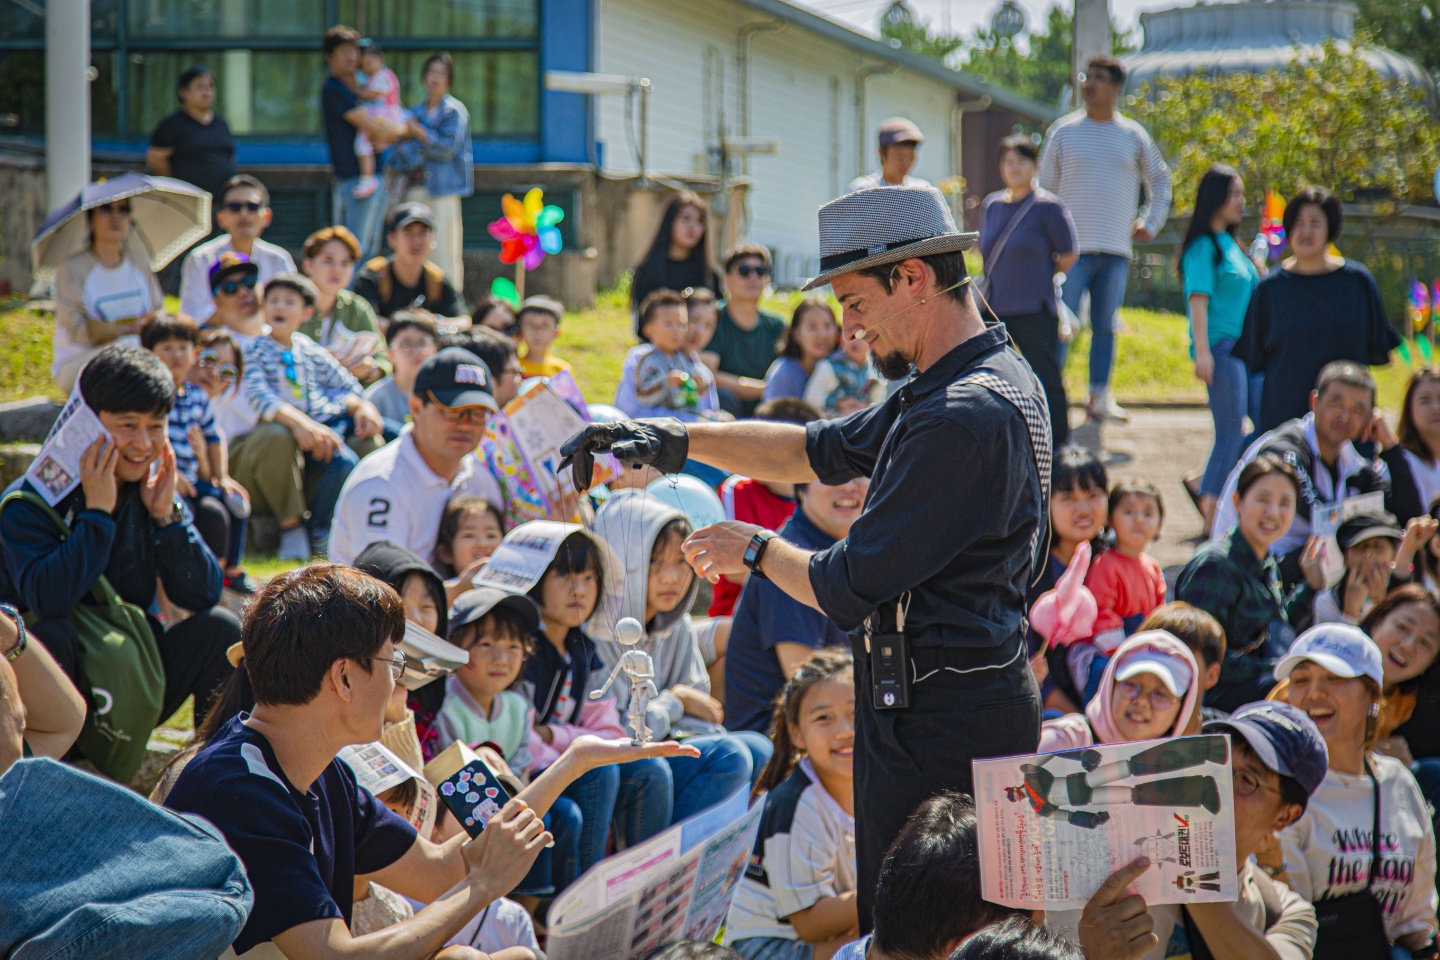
(1234,392)
(80,879)
(361,217)
(726,764)
(556,867)
(644,801)
(1104,275)
(593,796)
(327,489)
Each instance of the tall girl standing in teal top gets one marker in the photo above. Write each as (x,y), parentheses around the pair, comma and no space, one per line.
(1219,279)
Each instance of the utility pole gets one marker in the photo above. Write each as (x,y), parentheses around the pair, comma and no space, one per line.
(1091,39)
(67,99)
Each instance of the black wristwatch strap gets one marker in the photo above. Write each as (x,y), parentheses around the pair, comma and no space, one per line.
(755,552)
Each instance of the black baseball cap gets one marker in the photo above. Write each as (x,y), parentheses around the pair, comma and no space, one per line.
(1284,738)
(231,264)
(455,377)
(1368,526)
(472,605)
(408,213)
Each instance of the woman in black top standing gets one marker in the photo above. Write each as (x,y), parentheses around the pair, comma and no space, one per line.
(679,256)
(194,143)
(1317,308)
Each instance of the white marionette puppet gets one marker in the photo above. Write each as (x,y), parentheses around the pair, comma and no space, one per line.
(638,666)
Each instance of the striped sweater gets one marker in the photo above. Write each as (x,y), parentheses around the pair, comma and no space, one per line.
(1097,169)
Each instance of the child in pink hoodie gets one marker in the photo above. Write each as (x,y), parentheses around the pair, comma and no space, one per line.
(1147,691)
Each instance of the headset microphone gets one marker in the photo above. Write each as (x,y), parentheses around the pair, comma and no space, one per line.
(865,334)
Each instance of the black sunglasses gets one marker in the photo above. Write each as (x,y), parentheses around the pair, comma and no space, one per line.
(232,287)
(235,206)
(757,270)
(121,208)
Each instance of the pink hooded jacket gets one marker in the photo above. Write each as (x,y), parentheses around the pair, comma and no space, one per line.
(1074,730)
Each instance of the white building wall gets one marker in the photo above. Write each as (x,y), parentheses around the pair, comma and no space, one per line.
(802,92)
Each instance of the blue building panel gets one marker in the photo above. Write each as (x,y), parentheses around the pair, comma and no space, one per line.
(567,32)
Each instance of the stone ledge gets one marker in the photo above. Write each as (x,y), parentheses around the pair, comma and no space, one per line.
(29,419)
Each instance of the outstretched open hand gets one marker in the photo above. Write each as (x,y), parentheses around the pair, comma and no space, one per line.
(592,751)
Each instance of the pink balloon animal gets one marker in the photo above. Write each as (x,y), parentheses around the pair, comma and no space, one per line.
(1067,613)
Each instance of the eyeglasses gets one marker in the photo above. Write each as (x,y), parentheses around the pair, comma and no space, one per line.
(1246,783)
(414,347)
(232,287)
(235,206)
(225,372)
(1159,699)
(114,209)
(475,415)
(753,270)
(397,666)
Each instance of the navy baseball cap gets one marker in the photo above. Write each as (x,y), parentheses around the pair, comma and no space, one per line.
(472,605)
(455,377)
(1283,737)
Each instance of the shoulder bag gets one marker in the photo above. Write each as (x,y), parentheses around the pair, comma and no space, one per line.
(1352,927)
(985,285)
(117,650)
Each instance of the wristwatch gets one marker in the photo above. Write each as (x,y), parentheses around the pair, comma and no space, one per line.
(22,639)
(755,552)
(176,515)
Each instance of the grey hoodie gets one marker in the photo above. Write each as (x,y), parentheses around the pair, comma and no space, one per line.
(630,522)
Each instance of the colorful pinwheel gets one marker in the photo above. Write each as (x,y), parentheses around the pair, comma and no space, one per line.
(1272,224)
(527,231)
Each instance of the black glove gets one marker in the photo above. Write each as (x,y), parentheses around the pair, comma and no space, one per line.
(662,443)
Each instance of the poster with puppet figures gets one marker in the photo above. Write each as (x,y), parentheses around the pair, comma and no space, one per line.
(1054,826)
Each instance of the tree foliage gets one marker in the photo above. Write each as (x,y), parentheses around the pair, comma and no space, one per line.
(1328,119)
(1411,27)
(1040,71)
(917,37)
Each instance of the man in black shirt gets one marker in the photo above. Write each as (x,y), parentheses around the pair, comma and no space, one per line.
(345,116)
(409,280)
(194,143)
(954,523)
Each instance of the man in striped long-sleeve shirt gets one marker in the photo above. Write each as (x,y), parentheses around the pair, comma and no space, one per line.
(1096,160)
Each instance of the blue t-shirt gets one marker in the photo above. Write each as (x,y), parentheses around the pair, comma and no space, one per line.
(1227,277)
(785,378)
(336,100)
(764,617)
(1022,279)
(300,850)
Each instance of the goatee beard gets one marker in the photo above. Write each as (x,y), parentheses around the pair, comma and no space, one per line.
(893,366)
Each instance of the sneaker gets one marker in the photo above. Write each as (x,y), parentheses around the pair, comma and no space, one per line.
(294,544)
(240,583)
(1102,406)
(366,187)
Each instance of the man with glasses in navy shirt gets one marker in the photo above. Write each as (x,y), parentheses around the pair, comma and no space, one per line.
(320,649)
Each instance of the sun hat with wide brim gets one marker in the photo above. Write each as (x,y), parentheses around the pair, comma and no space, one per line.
(882,225)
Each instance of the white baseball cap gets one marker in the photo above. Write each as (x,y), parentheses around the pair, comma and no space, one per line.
(1344,650)
(1174,672)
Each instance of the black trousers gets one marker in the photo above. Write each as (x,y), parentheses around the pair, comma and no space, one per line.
(192,653)
(1038,337)
(905,757)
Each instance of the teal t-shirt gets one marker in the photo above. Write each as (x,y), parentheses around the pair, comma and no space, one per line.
(1227,283)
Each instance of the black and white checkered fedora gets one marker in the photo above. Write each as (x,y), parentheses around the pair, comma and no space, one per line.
(885,225)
